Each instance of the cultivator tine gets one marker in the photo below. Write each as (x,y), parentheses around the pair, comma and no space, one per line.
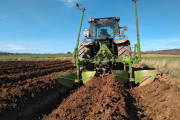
(86,76)
(144,77)
(121,76)
(66,78)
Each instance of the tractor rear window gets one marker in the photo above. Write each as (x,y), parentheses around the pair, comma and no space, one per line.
(104,29)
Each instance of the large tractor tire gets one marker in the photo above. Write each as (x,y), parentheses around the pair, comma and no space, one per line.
(124,50)
(85,52)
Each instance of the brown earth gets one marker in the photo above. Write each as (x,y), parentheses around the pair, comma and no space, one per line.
(22,80)
(100,98)
(158,100)
(158,55)
(104,98)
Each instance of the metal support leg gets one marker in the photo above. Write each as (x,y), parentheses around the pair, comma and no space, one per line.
(97,70)
(104,70)
(78,75)
(111,68)
(124,67)
(131,80)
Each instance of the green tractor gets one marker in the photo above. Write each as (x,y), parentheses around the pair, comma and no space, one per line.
(105,49)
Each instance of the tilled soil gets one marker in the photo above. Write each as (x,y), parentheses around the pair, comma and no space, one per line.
(22,80)
(101,98)
(158,100)
(104,98)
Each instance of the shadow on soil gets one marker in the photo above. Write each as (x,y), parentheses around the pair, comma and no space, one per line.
(53,104)
(132,110)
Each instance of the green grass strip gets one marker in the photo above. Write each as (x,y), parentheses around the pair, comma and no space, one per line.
(169,65)
(32,56)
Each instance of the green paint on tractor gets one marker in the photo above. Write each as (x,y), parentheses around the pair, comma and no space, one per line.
(86,76)
(66,78)
(144,77)
(121,76)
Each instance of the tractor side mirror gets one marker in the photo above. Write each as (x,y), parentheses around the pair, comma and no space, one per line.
(125,28)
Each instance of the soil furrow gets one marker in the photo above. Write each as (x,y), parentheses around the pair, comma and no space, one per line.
(101,98)
(17,69)
(4,79)
(15,94)
(38,96)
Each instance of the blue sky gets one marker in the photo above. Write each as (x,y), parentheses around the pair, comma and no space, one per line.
(51,26)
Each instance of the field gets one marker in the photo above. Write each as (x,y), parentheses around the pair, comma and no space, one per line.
(34,56)
(169,65)
(28,90)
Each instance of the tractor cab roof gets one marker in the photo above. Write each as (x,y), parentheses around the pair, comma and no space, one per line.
(104,19)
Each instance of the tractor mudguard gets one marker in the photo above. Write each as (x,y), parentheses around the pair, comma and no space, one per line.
(87,41)
(118,39)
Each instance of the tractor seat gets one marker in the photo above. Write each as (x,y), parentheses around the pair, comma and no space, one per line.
(104,34)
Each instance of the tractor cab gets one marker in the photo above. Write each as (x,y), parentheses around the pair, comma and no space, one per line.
(106,31)
(104,28)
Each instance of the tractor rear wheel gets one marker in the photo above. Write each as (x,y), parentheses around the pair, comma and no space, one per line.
(85,52)
(124,50)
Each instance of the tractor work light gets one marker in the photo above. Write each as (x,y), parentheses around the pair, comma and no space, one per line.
(85,32)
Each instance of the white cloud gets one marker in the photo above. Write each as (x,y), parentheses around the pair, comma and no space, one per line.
(69,3)
(16,47)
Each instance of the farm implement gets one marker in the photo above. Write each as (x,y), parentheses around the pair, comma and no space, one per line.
(104,49)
